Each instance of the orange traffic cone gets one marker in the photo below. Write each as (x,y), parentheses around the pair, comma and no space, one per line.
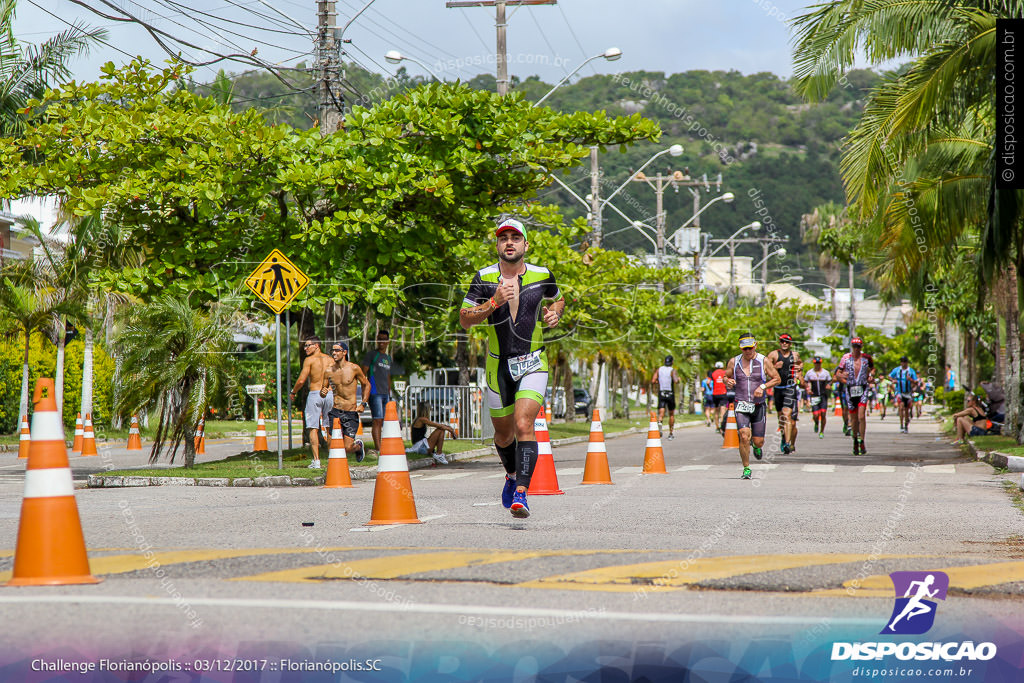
(595,470)
(393,501)
(839,408)
(200,439)
(654,456)
(359,430)
(261,436)
(26,439)
(545,479)
(88,437)
(732,436)
(51,546)
(134,438)
(76,446)
(338,476)
(453,421)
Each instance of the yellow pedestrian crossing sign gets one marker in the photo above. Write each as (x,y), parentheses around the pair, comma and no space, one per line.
(277,281)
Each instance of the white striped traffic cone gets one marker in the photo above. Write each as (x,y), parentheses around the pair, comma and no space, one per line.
(595,469)
(261,436)
(545,479)
(25,444)
(654,455)
(134,438)
(51,546)
(731,438)
(200,439)
(338,476)
(88,437)
(393,501)
(76,446)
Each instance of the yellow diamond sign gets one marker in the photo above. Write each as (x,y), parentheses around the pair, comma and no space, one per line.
(277,281)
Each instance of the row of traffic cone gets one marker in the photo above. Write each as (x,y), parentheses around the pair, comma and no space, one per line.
(85,438)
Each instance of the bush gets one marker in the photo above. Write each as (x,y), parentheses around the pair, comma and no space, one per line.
(42,362)
(953,400)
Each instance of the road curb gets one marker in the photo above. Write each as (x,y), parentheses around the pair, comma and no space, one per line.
(357,473)
(1013,463)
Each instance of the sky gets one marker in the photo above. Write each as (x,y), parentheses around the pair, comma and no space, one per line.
(551,41)
(749,36)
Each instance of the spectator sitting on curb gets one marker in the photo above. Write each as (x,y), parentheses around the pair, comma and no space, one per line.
(421,443)
(971,421)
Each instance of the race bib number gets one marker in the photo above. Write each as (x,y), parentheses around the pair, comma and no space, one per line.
(745,407)
(856,391)
(815,400)
(521,366)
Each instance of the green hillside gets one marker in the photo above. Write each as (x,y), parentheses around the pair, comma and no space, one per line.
(751,129)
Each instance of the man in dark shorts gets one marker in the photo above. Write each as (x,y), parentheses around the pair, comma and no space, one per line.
(342,379)
(510,295)
(666,379)
(817,382)
(786,360)
(750,374)
(720,394)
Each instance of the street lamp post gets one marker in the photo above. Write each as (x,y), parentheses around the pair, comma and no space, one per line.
(394,57)
(781,251)
(728,198)
(658,183)
(611,54)
(731,243)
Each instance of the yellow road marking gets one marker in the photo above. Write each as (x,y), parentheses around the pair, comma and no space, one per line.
(395,566)
(971,576)
(677,574)
(121,564)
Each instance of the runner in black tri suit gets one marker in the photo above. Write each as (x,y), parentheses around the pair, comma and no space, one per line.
(509,296)
(818,382)
(787,362)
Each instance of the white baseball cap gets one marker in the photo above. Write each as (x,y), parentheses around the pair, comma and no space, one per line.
(510,224)
(719,364)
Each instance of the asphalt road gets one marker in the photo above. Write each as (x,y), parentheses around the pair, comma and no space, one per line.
(651,559)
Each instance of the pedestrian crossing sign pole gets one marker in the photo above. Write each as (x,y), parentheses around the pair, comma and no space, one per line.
(277,281)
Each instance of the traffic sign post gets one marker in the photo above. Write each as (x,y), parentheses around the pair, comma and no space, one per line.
(256,390)
(277,281)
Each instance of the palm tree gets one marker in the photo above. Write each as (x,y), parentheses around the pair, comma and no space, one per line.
(811,226)
(26,71)
(29,298)
(919,163)
(176,359)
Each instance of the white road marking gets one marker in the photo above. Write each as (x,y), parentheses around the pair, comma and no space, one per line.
(693,468)
(818,468)
(495,476)
(763,466)
(569,471)
(939,469)
(424,608)
(450,475)
(629,470)
(870,469)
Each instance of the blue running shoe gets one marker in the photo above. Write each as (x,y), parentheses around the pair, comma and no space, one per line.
(508,491)
(519,507)
(361,452)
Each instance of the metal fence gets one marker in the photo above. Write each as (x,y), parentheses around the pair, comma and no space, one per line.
(461,407)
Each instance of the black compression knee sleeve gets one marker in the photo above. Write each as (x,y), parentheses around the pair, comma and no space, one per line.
(508,457)
(526,461)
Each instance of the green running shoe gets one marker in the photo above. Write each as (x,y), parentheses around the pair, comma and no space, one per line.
(758,453)
(746,473)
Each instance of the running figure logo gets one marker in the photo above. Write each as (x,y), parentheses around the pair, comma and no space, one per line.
(914,612)
(277,281)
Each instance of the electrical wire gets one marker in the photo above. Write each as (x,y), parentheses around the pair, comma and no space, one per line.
(473,28)
(62,19)
(572,32)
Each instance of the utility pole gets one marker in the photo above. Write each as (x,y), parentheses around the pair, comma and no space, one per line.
(595,197)
(500,24)
(331,99)
(765,243)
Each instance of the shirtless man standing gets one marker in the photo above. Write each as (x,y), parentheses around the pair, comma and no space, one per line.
(314,368)
(341,380)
